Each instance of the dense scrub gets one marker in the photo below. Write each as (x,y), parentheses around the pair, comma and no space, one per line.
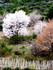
(10,6)
(43,47)
(28,6)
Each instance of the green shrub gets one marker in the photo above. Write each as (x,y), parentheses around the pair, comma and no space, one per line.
(2,12)
(16,39)
(30,37)
(34,35)
(24,50)
(1,25)
(21,50)
(7,68)
(4,40)
(27,68)
(27,38)
(29,57)
(17,52)
(4,49)
(17,68)
(9,8)
(50,12)
(25,8)
(14,9)
(2,45)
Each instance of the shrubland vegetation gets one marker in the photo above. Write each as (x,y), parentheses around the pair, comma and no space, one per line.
(17,33)
(5,49)
(10,6)
(28,68)
(16,39)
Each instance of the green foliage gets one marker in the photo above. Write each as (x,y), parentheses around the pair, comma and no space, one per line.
(47,55)
(50,12)
(2,12)
(17,68)
(4,40)
(23,50)
(24,8)
(4,49)
(27,68)
(31,37)
(14,9)
(34,35)
(29,57)
(9,8)
(7,68)
(15,39)
(5,1)
(26,5)
(32,57)
(1,7)
(1,22)
(27,38)
(2,45)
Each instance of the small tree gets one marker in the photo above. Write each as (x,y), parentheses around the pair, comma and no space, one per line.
(16,23)
(46,37)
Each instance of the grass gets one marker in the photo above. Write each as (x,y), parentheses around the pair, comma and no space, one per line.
(22,50)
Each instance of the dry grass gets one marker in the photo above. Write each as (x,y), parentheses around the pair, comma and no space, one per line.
(1,34)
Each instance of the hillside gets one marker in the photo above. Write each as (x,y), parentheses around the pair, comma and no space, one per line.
(28,6)
(7,6)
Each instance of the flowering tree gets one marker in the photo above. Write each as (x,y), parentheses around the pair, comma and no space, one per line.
(16,23)
(38,26)
(46,37)
(36,22)
(35,17)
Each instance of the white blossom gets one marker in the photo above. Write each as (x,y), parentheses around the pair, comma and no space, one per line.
(35,17)
(38,26)
(23,31)
(16,23)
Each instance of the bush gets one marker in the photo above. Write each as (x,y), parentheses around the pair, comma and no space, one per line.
(29,57)
(7,68)
(2,45)
(24,50)
(17,68)
(16,39)
(50,12)
(4,49)
(1,25)
(27,69)
(24,8)
(14,9)
(30,37)
(2,12)
(45,52)
(35,50)
(34,35)
(27,38)
(4,40)
(17,52)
